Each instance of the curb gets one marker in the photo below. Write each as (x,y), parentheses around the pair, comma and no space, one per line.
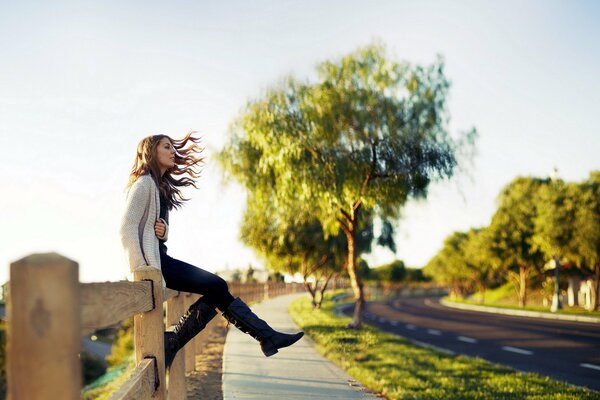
(520,313)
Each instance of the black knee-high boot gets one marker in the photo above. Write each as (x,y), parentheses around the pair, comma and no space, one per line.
(239,314)
(193,321)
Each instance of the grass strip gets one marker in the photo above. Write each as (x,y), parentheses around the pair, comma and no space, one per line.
(565,311)
(103,387)
(391,366)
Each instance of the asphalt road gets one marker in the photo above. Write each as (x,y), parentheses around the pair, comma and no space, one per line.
(567,351)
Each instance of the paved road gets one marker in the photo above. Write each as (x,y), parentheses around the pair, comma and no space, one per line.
(97,348)
(567,351)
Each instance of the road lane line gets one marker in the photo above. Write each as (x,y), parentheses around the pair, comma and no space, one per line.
(591,366)
(411,327)
(394,323)
(517,350)
(467,339)
(382,320)
(434,332)
(430,346)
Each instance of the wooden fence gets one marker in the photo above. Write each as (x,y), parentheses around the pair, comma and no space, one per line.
(49,311)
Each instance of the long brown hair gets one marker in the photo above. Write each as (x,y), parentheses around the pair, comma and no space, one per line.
(187,162)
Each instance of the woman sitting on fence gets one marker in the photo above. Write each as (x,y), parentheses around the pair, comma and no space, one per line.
(153,191)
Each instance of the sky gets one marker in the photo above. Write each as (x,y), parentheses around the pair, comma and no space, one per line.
(82,82)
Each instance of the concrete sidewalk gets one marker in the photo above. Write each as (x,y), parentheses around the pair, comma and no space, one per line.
(296,372)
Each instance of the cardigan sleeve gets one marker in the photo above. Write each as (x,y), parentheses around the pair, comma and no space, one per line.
(137,202)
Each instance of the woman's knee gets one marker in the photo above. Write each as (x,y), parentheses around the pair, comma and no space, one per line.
(220,285)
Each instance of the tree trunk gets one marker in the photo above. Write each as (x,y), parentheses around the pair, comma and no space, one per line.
(322,290)
(355,281)
(520,282)
(523,274)
(481,290)
(310,290)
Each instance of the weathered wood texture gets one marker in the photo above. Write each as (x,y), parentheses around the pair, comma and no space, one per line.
(107,303)
(43,329)
(48,311)
(168,293)
(148,331)
(190,353)
(141,383)
(176,384)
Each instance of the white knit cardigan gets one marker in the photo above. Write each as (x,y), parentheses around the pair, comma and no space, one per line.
(142,210)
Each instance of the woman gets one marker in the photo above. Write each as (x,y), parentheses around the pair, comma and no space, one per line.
(153,192)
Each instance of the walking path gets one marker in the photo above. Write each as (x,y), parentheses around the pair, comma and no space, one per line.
(296,372)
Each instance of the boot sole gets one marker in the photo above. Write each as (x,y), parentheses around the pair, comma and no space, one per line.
(270,352)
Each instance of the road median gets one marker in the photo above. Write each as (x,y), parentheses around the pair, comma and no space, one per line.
(520,313)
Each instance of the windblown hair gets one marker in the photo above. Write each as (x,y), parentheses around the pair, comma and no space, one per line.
(187,162)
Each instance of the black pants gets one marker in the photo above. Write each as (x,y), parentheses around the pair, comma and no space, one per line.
(185,277)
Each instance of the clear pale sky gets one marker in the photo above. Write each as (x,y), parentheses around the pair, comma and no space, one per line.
(82,82)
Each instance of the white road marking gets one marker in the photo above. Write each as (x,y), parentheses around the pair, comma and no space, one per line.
(467,339)
(430,346)
(517,350)
(591,366)
(394,323)
(411,327)
(434,332)
(382,320)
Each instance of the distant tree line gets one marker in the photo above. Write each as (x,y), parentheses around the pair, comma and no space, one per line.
(394,272)
(538,222)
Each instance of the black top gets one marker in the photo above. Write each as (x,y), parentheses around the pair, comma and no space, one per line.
(163,214)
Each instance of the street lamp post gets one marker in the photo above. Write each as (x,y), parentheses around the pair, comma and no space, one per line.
(556,303)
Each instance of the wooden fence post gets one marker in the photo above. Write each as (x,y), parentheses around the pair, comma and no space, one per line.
(190,352)
(176,389)
(43,329)
(149,328)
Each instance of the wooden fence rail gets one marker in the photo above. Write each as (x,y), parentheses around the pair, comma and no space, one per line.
(49,310)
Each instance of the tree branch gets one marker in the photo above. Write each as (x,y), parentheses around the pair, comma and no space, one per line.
(363,189)
(347,216)
(343,226)
(318,264)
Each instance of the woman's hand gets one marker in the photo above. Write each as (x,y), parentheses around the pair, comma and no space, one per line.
(159,229)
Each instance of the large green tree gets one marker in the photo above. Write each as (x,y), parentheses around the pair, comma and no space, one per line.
(365,136)
(293,245)
(298,245)
(465,262)
(482,266)
(449,265)
(554,222)
(512,230)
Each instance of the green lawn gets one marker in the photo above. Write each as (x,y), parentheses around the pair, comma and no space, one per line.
(505,297)
(112,380)
(393,367)
(566,310)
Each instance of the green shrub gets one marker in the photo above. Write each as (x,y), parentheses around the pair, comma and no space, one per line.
(92,367)
(123,346)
